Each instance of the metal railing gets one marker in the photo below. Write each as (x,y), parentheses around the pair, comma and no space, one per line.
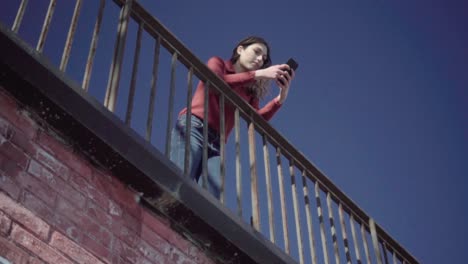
(304,231)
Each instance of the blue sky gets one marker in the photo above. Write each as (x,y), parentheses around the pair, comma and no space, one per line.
(379,103)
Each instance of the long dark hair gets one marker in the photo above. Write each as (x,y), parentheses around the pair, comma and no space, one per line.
(261,87)
(247,42)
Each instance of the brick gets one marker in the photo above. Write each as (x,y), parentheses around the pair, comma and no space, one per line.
(85,224)
(21,215)
(177,257)
(71,249)
(153,225)
(14,154)
(7,172)
(68,227)
(80,183)
(52,163)
(11,252)
(37,247)
(128,253)
(21,119)
(17,137)
(116,191)
(34,260)
(53,143)
(134,241)
(57,183)
(5,224)
(37,206)
(97,249)
(40,189)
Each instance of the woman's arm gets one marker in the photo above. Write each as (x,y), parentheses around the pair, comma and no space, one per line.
(216,64)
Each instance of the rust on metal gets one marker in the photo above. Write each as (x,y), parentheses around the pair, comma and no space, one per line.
(310,229)
(170,106)
(296,211)
(344,234)
(205,136)
(46,25)
(238,163)
(322,224)
(333,228)
(284,216)
(271,215)
(152,97)
(222,142)
(375,241)
(70,36)
(365,244)
(19,16)
(253,178)
(355,241)
(92,49)
(116,66)
(188,125)
(131,93)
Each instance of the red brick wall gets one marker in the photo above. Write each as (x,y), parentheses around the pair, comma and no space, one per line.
(56,207)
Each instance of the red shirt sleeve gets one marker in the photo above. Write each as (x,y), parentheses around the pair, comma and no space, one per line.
(216,64)
(268,110)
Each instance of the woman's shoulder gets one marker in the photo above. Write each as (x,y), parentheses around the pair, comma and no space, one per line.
(216,59)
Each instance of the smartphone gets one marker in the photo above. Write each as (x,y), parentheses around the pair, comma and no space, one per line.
(293,65)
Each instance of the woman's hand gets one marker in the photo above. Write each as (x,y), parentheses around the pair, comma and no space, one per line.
(284,82)
(272,72)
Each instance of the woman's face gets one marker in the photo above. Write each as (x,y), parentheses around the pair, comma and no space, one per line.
(252,57)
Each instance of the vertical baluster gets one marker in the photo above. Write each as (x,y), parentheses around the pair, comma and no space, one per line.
(154,81)
(394,258)
(222,146)
(136,58)
(271,215)
(92,49)
(205,136)
(170,109)
(344,234)
(356,245)
(296,212)
(333,229)
(46,25)
(188,126)
(305,190)
(384,247)
(322,224)
(282,200)
(70,36)
(19,16)
(253,177)
(375,241)
(238,163)
(366,246)
(116,66)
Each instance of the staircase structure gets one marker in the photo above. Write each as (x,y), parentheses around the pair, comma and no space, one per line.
(283,209)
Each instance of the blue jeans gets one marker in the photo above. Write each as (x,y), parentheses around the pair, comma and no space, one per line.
(195,170)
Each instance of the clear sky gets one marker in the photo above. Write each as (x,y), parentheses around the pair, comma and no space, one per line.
(379,103)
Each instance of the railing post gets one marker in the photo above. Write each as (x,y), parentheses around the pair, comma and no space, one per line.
(93,46)
(19,16)
(116,66)
(253,177)
(375,241)
(70,36)
(45,27)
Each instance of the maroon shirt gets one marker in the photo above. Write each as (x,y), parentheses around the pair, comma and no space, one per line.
(239,82)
